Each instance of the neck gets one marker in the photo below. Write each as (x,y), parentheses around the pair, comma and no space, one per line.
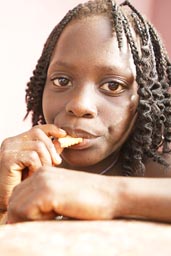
(104,167)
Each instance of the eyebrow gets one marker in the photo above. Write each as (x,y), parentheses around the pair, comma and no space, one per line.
(105,68)
(62,64)
(100,67)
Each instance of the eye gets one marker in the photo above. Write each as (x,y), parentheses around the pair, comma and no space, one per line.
(113,88)
(61,82)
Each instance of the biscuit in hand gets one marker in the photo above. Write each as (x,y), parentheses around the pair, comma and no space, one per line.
(68,141)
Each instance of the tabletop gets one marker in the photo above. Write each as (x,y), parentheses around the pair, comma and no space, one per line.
(86,238)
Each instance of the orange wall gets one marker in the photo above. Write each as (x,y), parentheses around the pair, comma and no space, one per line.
(24,26)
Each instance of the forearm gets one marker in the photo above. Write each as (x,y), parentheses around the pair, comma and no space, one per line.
(148,198)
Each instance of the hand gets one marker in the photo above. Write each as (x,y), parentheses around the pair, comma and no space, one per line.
(55,191)
(27,151)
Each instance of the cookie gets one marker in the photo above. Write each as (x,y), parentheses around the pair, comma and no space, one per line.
(68,141)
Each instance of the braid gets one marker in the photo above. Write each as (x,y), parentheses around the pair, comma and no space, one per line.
(35,87)
(153,76)
(159,52)
(140,22)
(163,67)
(116,15)
(147,136)
(134,148)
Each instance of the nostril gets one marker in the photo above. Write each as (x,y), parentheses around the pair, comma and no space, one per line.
(88,115)
(81,108)
(85,115)
(70,112)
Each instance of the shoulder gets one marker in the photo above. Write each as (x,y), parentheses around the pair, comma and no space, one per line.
(154,169)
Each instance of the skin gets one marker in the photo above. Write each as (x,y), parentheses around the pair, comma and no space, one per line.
(78,106)
(82,104)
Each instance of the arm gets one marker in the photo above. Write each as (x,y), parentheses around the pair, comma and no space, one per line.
(148,198)
(53,191)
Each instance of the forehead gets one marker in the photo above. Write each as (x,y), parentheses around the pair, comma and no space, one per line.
(91,40)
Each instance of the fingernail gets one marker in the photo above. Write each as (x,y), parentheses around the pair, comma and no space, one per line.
(62,131)
(56,157)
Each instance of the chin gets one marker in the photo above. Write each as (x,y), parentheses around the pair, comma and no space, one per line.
(79,160)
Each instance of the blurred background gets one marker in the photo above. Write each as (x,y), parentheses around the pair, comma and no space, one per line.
(24,27)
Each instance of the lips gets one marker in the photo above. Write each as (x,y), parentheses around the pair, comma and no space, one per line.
(81,133)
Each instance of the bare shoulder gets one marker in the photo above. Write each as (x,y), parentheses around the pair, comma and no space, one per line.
(154,169)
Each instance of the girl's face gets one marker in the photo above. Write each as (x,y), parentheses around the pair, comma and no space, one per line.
(91,91)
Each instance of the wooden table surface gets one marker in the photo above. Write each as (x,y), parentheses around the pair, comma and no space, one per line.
(86,238)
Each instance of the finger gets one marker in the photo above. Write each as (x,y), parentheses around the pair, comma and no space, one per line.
(40,143)
(49,129)
(42,133)
(15,205)
(35,213)
(21,160)
(26,204)
(57,146)
(42,151)
(29,213)
(52,130)
(39,135)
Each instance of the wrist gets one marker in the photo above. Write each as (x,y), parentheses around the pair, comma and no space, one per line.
(117,196)
(131,198)
(123,201)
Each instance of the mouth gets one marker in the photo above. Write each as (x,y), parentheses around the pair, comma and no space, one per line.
(84,144)
(80,133)
(89,138)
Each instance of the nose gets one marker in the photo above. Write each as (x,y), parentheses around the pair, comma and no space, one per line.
(82,104)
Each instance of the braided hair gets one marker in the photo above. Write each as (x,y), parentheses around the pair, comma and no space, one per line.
(153,75)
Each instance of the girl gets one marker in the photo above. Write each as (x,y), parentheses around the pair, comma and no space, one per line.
(104,77)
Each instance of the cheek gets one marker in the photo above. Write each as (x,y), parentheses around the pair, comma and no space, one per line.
(119,121)
(46,106)
(122,115)
(51,106)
